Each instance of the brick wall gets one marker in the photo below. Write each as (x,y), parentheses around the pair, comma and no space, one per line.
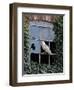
(47,18)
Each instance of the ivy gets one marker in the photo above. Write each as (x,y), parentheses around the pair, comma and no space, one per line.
(58,28)
(26,38)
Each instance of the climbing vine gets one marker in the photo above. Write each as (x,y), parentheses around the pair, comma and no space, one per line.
(26,38)
(58,28)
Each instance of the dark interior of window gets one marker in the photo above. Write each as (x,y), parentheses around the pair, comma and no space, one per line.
(35,57)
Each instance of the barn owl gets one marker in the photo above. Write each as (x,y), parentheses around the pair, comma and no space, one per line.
(46,48)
